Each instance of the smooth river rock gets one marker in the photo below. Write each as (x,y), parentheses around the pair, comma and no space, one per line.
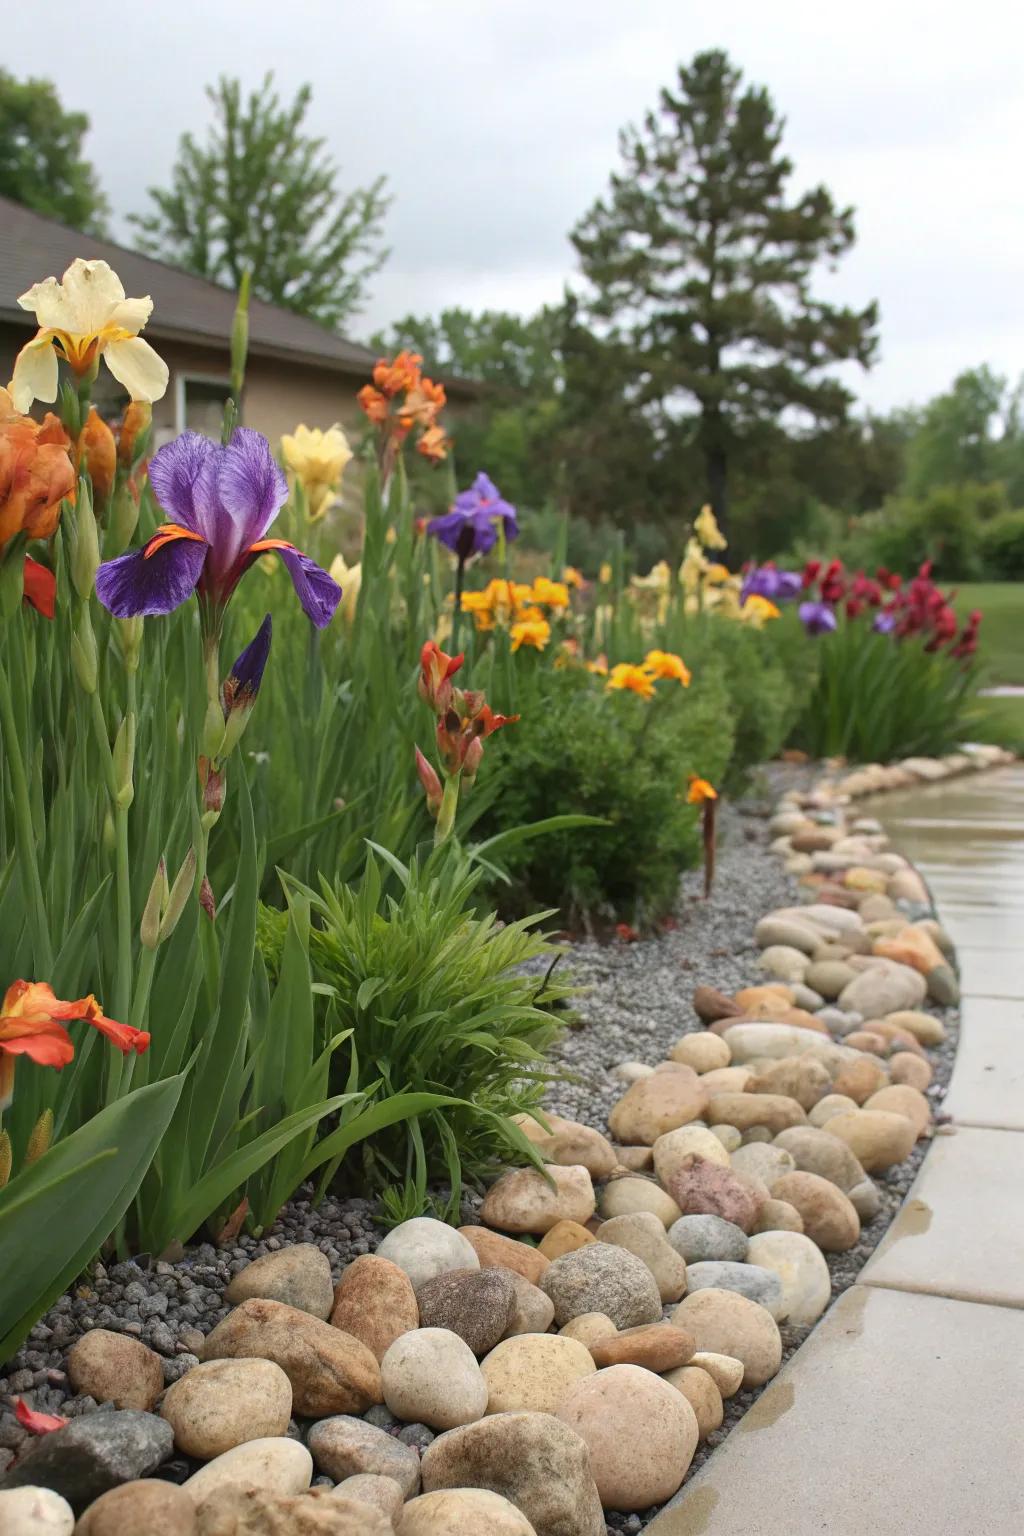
(877,1138)
(821,1152)
(299,1275)
(375,1302)
(729,1324)
(656,1104)
(749,1279)
(222,1403)
(802,1271)
(330,1371)
(603,1278)
(114,1368)
(425,1248)
(643,1235)
(701,1188)
(625,1196)
(829,1217)
(700,1238)
(476,1304)
(534,1372)
(463,1512)
(633,1470)
(432,1377)
(276,1466)
(524,1201)
(345,1447)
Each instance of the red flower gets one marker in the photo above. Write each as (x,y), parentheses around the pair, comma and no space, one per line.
(436,672)
(40,588)
(811,571)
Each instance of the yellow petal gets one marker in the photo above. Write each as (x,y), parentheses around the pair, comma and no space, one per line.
(134,364)
(35,373)
(131,314)
(92,291)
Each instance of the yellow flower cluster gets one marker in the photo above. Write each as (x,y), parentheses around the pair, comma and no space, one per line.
(519,608)
(641,678)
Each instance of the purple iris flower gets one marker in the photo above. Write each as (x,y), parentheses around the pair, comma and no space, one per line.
(765,581)
(817,618)
(884,623)
(220,502)
(470,527)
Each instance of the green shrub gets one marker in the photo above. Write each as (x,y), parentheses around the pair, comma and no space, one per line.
(579,748)
(1002,547)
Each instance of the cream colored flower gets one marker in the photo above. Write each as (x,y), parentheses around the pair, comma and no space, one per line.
(82,318)
(349,579)
(707,530)
(317,459)
(693,568)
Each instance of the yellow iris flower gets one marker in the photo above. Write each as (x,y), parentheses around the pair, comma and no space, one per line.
(317,459)
(349,579)
(757,610)
(82,318)
(707,530)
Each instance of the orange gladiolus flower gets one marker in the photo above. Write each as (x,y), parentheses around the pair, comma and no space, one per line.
(433,444)
(700,791)
(402,373)
(32,1024)
(436,671)
(635,679)
(36,473)
(374,404)
(97,452)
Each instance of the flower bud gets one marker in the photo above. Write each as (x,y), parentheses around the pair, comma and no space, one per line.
(133,438)
(124,517)
(238,695)
(124,760)
(6,1158)
(240,337)
(149,928)
(131,631)
(108,835)
(85,557)
(181,890)
(83,653)
(97,453)
(472,760)
(431,784)
(40,1137)
(206,900)
(213,730)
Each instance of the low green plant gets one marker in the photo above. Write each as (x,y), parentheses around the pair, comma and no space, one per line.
(1002,547)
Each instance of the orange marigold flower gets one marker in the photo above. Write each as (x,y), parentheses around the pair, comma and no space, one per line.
(36,473)
(97,452)
(633,678)
(667,664)
(373,403)
(403,373)
(699,791)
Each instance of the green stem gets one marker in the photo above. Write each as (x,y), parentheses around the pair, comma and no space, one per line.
(25,832)
(449,805)
(460,574)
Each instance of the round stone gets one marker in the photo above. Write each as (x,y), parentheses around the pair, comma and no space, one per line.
(330,1371)
(672,1149)
(860,1078)
(883,989)
(725,1372)
(383,1494)
(701,1051)
(278,1465)
(643,1235)
(656,1346)
(464,1512)
(534,1372)
(866,1200)
(831,1104)
(877,1138)
(603,1278)
(743,1110)
(565,1237)
(148,1507)
(656,1104)
(761,1160)
(532,1311)
(523,1200)
(829,1218)
(925,1027)
(299,1275)
(113,1368)
(800,1078)
(476,1304)
(345,1447)
(431,1377)
(425,1248)
(633,1471)
(702,1394)
(802,1272)
(821,1152)
(702,1188)
(572,1144)
(588,1328)
(728,1135)
(829,977)
(497,1252)
(729,1324)
(623,1197)
(223,1403)
(749,1279)
(698,1238)
(785,962)
(914,1071)
(901,1099)
(374,1302)
(35,1512)
(779,1216)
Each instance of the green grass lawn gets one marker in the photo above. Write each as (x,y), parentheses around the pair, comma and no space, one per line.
(1001,653)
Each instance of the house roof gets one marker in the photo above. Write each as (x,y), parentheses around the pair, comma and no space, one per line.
(185,307)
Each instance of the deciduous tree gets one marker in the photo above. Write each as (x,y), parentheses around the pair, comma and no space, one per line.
(41,160)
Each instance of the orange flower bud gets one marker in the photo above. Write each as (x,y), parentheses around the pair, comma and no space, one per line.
(374,404)
(431,784)
(138,416)
(97,452)
(36,473)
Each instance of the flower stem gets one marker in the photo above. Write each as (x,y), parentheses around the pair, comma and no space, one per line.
(449,805)
(460,574)
(42,950)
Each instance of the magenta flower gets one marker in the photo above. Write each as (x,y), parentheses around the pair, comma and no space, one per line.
(817,618)
(470,528)
(220,502)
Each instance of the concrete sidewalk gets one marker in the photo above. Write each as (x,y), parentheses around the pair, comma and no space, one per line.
(904,1410)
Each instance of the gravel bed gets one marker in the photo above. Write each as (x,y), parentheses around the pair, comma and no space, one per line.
(637,1003)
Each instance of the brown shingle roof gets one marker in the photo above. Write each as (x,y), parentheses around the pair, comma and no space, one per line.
(185,307)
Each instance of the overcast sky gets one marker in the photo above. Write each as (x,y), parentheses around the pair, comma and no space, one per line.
(495,122)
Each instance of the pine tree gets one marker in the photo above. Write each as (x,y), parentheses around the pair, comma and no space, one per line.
(260,193)
(700,262)
(41,161)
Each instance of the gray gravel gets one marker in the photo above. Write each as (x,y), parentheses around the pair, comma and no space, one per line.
(637,1004)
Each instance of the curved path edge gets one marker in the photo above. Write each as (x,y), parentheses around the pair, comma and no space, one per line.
(901,1411)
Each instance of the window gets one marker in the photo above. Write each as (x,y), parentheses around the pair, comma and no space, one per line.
(199,403)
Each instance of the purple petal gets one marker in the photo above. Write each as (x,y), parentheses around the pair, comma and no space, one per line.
(465,534)
(318,593)
(132,585)
(251,488)
(180,476)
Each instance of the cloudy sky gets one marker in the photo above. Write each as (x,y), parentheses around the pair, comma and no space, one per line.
(495,122)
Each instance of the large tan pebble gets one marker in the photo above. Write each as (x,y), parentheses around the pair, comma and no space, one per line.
(534,1372)
(727,1323)
(672,1149)
(524,1201)
(877,1138)
(778,1216)
(643,1235)
(344,1446)
(34,1512)
(656,1104)
(751,1041)
(925,1027)
(535,1461)
(147,1507)
(859,1079)
(565,1237)
(633,1471)
(279,1465)
(762,1160)
(431,1377)
(375,1302)
(831,1104)
(532,1311)
(801,1078)
(463,1512)
(818,1151)
(635,1159)
(575,1145)
(829,1218)
(702,1394)
(728,1080)
(728,1135)
(623,1197)
(426,1248)
(330,1371)
(380,1493)
(725,1371)
(113,1368)
(901,1099)
(316,1513)
(702,1051)
(299,1275)
(913,1071)
(770,993)
(223,1403)
(657,1347)
(588,1327)
(743,1110)
(801,1268)
(867,1040)
(494,1251)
